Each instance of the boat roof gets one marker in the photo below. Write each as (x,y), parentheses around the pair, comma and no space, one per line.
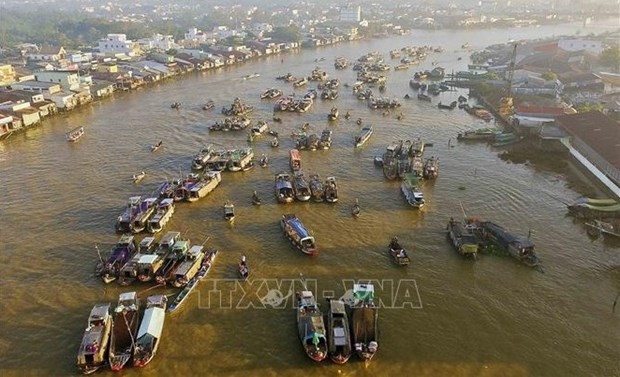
(181,244)
(99,311)
(194,251)
(152,322)
(337,306)
(147,241)
(169,238)
(166,202)
(508,237)
(339,336)
(156,300)
(298,227)
(148,259)
(135,200)
(363,291)
(127,296)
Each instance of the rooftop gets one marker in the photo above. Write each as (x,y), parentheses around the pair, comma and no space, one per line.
(597,130)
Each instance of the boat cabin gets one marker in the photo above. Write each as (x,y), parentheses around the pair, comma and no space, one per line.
(147,245)
(149,264)
(363,293)
(168,240)
(190,266)
(295,160)
(127,300)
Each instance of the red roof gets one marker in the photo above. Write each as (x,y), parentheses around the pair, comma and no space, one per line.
(547,47)
(596,130)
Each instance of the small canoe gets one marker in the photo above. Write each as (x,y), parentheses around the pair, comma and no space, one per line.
(138,177)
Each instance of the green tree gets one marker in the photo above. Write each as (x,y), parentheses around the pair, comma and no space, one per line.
(587,106)
(549,76)
(286,33)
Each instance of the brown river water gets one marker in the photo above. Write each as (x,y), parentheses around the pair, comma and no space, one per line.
(442,316)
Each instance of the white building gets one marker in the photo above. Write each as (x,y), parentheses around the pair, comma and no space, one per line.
(595,47)
(68,80)
(117,44)
(351,14)
(158,42)
(195,35)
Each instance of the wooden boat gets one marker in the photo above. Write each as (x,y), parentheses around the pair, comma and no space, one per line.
(364,321)
(317,190)
(297,233)
(138,177)
(325,141)
(199,161)
(479,134)
(205,267)
(294,160)
(241,160)
(150,263)
(356,210)
(424,97)
(301,82)
(284,188)
(331,190)
(431,168)
(150,330)
(451,106)
(189,266)
(264,161)
(594,208)
(129,272)
(520,248)
(339,346)
(208,105)
(229,211)
(94,345)
(143,213)
(463,238)
(410,190)
(74,135)
(243,269)
(398,253)
(124,330)
(401,67)
(155,147)
(172,260)
(204,186)
(122,253)
(251,76)
(301,188)
(176,105)
(275,142)
(162,215)
(311,326)
(256,199)
(271,93)
(333,114)
(507,141)
(596,228)
(364,135)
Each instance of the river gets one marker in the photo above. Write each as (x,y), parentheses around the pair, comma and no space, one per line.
(443,315)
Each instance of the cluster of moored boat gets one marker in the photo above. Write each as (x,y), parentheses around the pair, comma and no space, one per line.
(344,332)
(129,333)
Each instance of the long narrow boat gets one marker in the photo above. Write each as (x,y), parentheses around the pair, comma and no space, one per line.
(331,190)
(149,333)
(409,188)
(124,330)
(294,160)
(598,227)
(297,233)
(74,135)
(150,264)
(339,339)
(364,321)
(207,262)
(94,345)
(189,267)
(398,253)
(463,238)
(310,326)
(284,188)
(520,248)
(122,253)
(364,135)
(163,214)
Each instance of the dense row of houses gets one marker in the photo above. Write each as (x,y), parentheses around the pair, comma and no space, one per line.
(55,80)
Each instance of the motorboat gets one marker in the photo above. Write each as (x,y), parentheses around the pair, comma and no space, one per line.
(150,330)
(94,345)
